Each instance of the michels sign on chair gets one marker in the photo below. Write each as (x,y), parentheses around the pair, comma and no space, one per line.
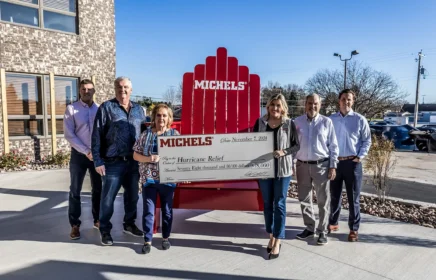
(220,96)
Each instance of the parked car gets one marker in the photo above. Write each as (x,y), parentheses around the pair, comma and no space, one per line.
(429,128)
(425,139)
(399,134)
(384,123)
(177,114)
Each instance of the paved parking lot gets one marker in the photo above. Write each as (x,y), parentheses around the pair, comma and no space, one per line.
(414,177)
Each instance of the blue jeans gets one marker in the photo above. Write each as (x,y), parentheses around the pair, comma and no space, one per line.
(274,193)
(349,172)
(79,164)
(119,173)
(149,197)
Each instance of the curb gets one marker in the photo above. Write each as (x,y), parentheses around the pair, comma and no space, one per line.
(394,199)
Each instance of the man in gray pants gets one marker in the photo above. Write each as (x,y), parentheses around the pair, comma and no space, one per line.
(316,166)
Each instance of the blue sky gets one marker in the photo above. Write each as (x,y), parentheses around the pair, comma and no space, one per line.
(157,41)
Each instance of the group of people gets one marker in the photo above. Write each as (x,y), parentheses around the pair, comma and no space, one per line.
(327,151)
(107,140)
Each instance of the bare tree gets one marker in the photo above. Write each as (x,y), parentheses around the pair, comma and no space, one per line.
(380,164)
(179,93)
(170,95)
(294,95)
(376,92)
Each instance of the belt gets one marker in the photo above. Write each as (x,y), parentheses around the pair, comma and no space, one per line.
(124,158)
(347,158)
(314,161)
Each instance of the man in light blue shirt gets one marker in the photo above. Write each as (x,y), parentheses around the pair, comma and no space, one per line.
(316,166)
(354,138)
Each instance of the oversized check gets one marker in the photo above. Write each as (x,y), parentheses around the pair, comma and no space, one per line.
(216,157)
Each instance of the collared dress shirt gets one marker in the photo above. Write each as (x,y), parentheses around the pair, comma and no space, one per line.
(317,139)
(353,134)
(78,123)
(115,130)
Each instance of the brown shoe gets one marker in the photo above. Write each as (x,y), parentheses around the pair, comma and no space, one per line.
(333,228)
(75,233)
(353,236)
(97,225)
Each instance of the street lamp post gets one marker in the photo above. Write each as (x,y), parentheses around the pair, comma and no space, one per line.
(345,66)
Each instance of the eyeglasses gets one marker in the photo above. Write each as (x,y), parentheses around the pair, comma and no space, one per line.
(161,115)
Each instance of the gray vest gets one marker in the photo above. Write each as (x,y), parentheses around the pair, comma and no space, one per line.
(284,168)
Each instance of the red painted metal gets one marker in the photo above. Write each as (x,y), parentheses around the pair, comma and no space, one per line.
(187,91)
(243,100)
(254,109)
(220,112)
(232,97)
(198,111)
(209,98)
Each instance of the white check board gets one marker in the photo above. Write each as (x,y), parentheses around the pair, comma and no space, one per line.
(216,157)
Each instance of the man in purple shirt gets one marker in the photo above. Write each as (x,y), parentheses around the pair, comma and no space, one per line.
(78,124)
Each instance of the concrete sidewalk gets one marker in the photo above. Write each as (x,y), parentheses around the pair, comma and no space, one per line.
(34,243)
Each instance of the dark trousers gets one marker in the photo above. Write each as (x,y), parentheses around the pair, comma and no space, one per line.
(274,193)
(119,173)
(349,172)
(149,197)
(79,164)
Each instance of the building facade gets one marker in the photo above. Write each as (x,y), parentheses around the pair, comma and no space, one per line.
(46,48)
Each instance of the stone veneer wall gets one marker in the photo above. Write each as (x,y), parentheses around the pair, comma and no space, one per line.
(38,51)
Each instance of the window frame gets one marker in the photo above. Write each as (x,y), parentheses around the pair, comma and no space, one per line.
(40,7)
(46,116)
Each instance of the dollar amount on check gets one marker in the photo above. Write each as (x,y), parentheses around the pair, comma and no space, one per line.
(216,157)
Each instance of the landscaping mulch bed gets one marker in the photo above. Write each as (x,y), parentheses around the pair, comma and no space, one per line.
(391,209)
(34,166)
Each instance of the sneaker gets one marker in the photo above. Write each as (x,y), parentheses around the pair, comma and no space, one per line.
(353,236)
(133,230)
(106,239)
(305,234)
(146,248)
(97,225)
(166,244)
(75,233)
(322,239)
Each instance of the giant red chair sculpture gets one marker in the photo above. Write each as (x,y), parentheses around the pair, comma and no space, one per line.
(230,104)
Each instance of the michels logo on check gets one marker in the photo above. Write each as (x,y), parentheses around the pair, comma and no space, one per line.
(189,141)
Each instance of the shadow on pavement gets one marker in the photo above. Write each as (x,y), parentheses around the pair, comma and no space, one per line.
(250,249)
(388,240)
(74,270)
(41,222)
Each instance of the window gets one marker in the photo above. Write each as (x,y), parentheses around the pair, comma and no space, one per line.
(49,14)
(65,93)
(28,101)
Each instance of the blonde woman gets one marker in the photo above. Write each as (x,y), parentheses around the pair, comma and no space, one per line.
(145,152)
(274,190)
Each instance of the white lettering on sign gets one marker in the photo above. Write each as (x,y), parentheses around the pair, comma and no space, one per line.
(219,85)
